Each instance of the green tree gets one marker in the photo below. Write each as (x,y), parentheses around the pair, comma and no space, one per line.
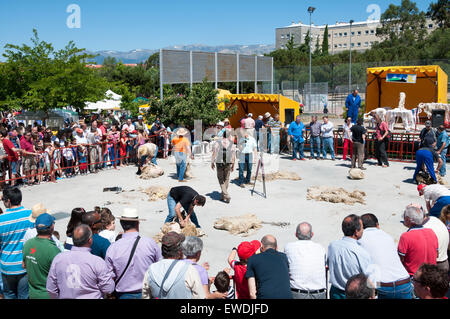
(46,79)
(440,13)
(317,51)
(200,103)
(402,24)
(325,41)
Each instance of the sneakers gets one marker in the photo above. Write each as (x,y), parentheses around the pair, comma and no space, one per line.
(182,181)
(200,232)
(241,185)
(294,159)
(303,159)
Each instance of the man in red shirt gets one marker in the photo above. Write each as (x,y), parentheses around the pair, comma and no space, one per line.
(13,154)
(29,157)
(245,250)
(418,245)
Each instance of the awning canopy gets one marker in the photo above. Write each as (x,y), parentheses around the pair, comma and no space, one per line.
(112,103)
(428,85)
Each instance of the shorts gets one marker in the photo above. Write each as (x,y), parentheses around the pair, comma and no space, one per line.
(13,166)
(29,163)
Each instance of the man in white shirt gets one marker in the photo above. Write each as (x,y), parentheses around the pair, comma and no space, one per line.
(307,262)
(436,197)
(79,136)
(248,155)
(129,126)
(442,235)
(327,137)
(389,274)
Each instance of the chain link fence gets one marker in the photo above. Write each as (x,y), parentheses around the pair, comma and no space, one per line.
(289,81)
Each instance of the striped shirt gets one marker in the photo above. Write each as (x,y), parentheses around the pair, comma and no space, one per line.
(13,225)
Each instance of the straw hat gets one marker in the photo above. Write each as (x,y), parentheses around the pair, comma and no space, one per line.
(37,210)
(130,214)
(182,131)
(267,115)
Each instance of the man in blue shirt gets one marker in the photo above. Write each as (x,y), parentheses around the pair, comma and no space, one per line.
(353,104)
(13,225)
(296,130)
(346,257)
(442,147)
(99,244)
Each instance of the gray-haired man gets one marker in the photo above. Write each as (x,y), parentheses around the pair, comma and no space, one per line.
(306,265)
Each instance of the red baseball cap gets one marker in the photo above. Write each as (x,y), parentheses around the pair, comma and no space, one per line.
(420,187)
(246,249)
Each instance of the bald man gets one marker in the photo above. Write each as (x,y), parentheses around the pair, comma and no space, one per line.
(306,265)
(269,271)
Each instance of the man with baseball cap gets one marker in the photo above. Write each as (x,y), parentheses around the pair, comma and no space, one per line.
(245,250)
(436,197)
(171,278)
(140,125)
(38,254)
(427,136)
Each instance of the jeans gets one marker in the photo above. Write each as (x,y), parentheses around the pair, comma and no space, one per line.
(269,142)
(315,146)
(297,146)
(113,156)
(15,286)
(154,156)
(399,292)
(125,295)
(443,156)
(180,159)
(336,293)
(171,203)
(328,144)
(245,163)
(275,144)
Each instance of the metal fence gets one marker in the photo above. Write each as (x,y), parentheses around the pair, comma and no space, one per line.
(336,78)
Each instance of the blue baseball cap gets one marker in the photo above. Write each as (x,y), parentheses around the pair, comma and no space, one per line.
(44,221)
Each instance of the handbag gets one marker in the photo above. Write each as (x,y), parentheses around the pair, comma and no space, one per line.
(114,294)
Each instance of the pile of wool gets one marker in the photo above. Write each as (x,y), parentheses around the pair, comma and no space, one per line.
(278,175)
(239,225)
(188,230)
(335,195)
(355,173)
(150,171)
(156,192)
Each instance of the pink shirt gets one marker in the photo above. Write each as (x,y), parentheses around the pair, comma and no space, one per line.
(26,145)
(382,127)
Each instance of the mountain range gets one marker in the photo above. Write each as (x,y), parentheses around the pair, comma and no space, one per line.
(141,55)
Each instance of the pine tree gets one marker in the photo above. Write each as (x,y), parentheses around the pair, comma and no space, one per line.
(325,41)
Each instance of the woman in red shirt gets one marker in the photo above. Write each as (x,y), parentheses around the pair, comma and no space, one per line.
(381,143)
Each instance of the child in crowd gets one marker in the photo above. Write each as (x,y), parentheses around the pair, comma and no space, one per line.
(68,158)
(57,159)
(40,161)
(222,283)
(245,250)
(82,159)
(108,225)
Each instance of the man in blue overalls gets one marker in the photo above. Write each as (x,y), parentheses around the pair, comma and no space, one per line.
(425,156)
(353,103)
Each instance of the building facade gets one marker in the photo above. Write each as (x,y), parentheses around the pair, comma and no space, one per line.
(363,35)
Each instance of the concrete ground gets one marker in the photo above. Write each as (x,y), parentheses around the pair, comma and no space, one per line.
(388,191)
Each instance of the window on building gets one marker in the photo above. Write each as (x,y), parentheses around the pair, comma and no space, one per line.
(359,32)
(288,35)
(282,36)
(359,44)
(329,35)
(345,45)
(353,33)
(372,31)
(367,31)
(353,45)
(340,34)
(345,34)
(366,44)
(340,45)
(430,26)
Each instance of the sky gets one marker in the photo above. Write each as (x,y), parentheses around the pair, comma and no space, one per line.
(152,24)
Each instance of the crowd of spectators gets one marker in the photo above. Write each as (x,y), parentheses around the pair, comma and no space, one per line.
(95,261)
(31,154)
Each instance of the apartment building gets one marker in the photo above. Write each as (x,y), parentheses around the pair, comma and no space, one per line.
(363,35)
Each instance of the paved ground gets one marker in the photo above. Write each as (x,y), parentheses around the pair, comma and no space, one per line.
(388,192)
